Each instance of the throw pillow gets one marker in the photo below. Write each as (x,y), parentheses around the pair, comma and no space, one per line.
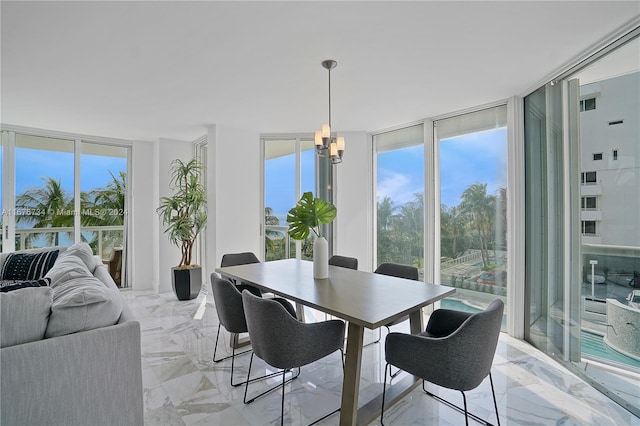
(24,315)
(16,285)
(28,266)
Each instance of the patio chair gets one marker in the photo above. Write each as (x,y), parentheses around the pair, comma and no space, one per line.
(286,343)
(455,351)
(230,310)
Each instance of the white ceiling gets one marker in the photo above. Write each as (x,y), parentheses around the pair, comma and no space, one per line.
(148,70)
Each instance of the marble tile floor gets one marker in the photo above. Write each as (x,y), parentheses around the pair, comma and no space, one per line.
(182,386)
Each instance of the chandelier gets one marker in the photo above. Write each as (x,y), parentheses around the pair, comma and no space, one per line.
(326,145)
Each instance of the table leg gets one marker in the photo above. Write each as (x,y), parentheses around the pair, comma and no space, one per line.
(351,381)
(236,342)
(416,322)
(300,311)
(396,391)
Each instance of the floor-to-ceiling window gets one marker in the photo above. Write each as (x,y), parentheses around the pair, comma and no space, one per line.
(472,159)
(200,148)
(2,231)
(64,190)
(400,196)
(289,171)
(582,150)
(44,186)
(103,210)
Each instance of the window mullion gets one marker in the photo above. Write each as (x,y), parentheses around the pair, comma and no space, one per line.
(8,192)
(77,231)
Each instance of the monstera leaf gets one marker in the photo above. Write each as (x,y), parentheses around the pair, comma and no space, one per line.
(308,214)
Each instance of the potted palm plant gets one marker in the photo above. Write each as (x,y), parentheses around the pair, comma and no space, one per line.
(184,215)
(306,217)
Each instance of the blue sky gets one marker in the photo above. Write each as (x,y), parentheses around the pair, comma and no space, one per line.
(32,165)
(474,158)
(280,190)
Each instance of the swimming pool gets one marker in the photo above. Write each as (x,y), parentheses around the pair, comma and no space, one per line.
(590,343)
(593,344)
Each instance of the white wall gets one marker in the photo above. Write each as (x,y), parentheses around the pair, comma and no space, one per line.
(143,270)
(353,225)
(233,193)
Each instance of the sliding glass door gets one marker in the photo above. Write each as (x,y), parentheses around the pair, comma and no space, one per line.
(103,183)
(471,150)
(44,185)
(582,161)
(400,196)
(58,191)
(289,171)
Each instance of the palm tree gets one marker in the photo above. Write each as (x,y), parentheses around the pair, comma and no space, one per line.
(49,206)
(481,209)
(386,244)
(272,236)
(412,230)
(453,225)
(110,199)
(105,207)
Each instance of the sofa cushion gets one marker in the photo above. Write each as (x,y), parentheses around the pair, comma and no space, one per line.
(76,261)
(80,300)
(24,314)
(83,251)
(26,266)
(67,268)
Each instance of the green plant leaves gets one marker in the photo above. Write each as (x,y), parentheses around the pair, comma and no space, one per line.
(308,214)
(184,214)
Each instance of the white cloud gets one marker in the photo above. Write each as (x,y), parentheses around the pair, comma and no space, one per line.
(396,186)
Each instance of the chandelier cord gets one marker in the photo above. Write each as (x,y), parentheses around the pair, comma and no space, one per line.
(329,100)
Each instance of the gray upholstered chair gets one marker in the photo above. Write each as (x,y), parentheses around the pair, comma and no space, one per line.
(244,258)
(230,310)
(286,343)
(400,271)
(456,352)
(343,261)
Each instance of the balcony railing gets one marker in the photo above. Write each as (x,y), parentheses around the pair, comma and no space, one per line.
(23,233)
(277,235)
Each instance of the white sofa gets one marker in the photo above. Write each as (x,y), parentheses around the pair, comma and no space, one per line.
(70,352)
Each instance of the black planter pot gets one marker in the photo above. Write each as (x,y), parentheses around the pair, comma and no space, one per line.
(186,282)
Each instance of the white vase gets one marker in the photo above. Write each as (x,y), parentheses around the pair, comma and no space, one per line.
(320,258)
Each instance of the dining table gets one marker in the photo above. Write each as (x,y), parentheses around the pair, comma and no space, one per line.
(362,299)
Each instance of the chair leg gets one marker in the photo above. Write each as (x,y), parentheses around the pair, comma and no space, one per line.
(246,383)
(464,410)
(284,382)
(215,348)
(233,358)
(376,341)
(282,400)
(466,413)
(384,391)
(246,388)
(393,375)
(495,403)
